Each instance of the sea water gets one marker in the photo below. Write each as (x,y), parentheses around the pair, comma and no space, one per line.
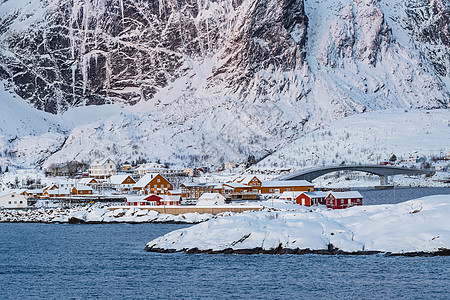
(108,261)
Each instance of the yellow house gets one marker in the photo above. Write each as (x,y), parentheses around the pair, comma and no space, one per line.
(82,190)
(281,186)
(251,181)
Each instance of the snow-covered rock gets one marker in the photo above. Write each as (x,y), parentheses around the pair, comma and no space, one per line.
(94,215)
(398,229)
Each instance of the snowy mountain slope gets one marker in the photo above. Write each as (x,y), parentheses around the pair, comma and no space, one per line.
(29,136)
(367,138)
(220,80)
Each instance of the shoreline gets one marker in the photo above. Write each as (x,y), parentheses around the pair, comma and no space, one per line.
(298,251)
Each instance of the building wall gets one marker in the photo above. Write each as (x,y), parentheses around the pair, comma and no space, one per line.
(82,192)
(13,201)
(334,203)
(158,185)
(282,189)
(102,171)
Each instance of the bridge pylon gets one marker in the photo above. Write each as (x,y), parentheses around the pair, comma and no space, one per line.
(383,180)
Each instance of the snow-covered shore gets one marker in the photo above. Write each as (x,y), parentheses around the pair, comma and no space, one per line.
(96,215)
(420,226)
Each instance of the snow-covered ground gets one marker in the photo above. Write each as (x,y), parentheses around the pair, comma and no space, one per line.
(420,225)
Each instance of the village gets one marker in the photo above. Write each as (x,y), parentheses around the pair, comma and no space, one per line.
(152,186)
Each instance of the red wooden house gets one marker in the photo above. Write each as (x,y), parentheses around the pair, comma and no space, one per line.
(311,198)
(340,200)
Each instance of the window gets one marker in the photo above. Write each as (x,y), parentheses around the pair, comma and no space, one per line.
(9,202)
(288,189)
(158,180)
(162,185)
(21,202)
(12,196)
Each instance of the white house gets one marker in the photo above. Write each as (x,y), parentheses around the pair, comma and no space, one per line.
(12,199)
(209,199)
(149,168)
(122,182)
(65,184)
(103,169)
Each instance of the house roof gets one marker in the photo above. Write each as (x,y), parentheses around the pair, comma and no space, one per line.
(64,182)
(146,179)
(118,179)
(85,180)
(136,199)
(149,197)
(35,191)
(49,186)
(345,195)
(236,185)
(9,192)
(286,183)
(210,196)
(176,192)
(200,184)
(83,188)
(58,192)
(317,194)
(102,162)
(171,198)
(248,179)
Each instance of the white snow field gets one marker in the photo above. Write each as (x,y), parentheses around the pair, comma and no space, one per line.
(415,226)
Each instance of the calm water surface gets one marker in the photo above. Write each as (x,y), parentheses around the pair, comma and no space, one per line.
(62,261)
(392,196)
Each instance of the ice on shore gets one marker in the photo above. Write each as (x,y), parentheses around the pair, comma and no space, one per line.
(421,225)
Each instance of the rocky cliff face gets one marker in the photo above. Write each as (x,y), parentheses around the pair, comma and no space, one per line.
(94,52)
(429,24)
(245,75)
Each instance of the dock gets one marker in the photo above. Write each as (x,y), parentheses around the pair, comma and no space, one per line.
(180,209)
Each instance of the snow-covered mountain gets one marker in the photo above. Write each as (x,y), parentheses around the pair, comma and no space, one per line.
(367,138)
(219,80)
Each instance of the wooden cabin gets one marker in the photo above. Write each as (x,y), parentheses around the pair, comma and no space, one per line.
(341,200)
(281,186)
(82,190)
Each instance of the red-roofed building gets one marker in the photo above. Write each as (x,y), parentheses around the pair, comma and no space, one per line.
(340,200)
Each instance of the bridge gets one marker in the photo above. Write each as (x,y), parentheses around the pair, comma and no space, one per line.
(380,170)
